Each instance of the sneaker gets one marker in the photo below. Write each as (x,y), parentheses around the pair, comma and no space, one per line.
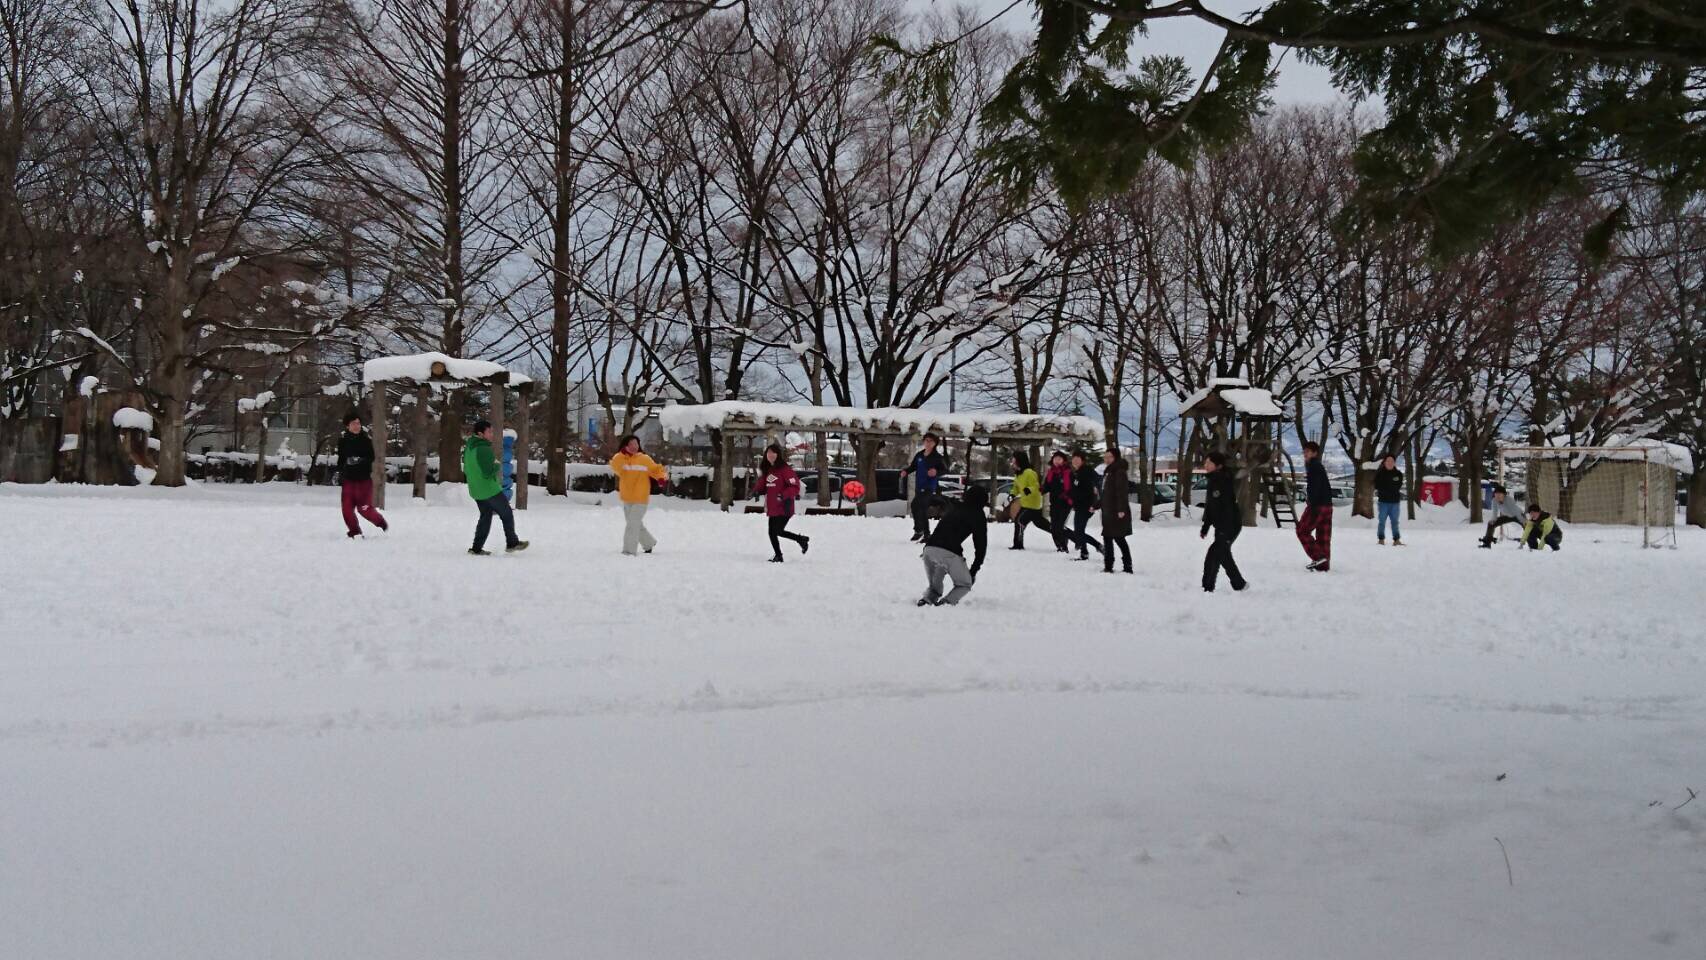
(1084,557)
(1486,544)
(1381,541)
(916,536)
(1207,589)
(650,549)
(776,559)
(1241,587)
(927,602)
(1397,543)
(516,547)
(352,534)
(805,544)
(477,552)
(1017,546)
(1127,570)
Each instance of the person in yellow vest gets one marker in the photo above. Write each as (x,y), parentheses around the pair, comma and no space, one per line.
(634,475)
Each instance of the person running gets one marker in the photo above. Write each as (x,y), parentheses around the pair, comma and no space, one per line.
(355,477)
(1315,527)
(485,485)
(634,475)
(1057,483)
(1116,510)
(1029,493)
(1542,529)
(1221,514)
(780,487)
(1505,510)
(944,556)
(927,468)
(1084,499)
(1389,494)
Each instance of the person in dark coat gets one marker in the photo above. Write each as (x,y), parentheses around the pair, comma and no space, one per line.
(943,551)
(1116,510)
(1222,515)
(1315,527)
(1085,498)
(927,467)
(1057,483)
(779,485)
(355,477)
(1389,496)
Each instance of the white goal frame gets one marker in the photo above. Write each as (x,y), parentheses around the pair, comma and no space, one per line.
(1648,456)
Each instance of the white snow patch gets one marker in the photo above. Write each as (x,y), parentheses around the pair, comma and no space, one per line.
(130,418)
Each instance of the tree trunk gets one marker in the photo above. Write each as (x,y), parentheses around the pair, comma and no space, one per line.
(867,446)
(1696,515)
(260,446)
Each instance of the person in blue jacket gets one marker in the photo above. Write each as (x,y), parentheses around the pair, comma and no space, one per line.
(927,467)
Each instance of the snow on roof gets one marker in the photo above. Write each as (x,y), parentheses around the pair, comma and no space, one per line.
(419,366)
(686,418)
(1676,457)
(130,418)
(1253,401)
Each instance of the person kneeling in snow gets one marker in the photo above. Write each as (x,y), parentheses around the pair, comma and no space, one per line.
(942,549)
(1541,528)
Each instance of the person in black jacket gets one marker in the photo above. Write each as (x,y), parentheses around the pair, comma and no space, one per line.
(1085,498)
(927,467)
(1221,514)
(1116,511)
(1057,483)
(943,556)
(1389,494)
(1315,527)
(355,476)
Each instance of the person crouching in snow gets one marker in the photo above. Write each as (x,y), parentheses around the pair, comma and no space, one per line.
(485,485)
(1541,529)
(1504,511)
(780,487)
(634,475)
(355,477)
(943,555)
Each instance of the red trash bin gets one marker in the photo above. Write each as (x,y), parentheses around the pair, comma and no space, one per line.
(1438,490)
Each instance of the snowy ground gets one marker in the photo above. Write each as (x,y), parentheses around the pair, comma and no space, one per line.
(227,732)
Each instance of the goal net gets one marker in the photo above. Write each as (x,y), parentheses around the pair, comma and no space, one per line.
(1632,486)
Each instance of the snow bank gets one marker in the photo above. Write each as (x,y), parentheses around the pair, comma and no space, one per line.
(684,418)
(130,418)
(419,367)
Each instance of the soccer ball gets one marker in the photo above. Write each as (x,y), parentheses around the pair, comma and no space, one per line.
(853,490)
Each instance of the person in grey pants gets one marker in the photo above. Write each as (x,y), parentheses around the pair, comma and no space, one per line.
(943,559)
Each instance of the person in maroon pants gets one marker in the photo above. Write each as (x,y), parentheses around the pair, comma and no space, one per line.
(355,473)
(1315,527)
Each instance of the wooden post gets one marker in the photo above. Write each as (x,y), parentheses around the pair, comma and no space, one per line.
(726,473)
(423,396)
(497,415)
(379,442)
(523,413)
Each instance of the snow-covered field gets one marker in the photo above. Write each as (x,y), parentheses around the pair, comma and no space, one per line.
(226,732)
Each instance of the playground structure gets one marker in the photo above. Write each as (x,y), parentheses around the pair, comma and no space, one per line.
(1238,419)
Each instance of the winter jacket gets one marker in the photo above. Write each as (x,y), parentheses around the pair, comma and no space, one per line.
(1057,483)
(1388,485)
(963,519)
(1548,527)
(781,487)
(1318,489)
(634,475)
(1116,501)
(1083,493)
(1027,490)
(1510,508)
(355,456)
(922,464)
(481,469)
(1220,509)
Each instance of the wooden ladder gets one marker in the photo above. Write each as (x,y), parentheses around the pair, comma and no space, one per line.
(1282,500)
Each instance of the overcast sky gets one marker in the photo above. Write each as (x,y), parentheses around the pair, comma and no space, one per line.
(1299,83)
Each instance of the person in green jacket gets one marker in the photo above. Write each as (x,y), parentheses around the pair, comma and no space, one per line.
(1028,491)
(1541,529)
(485,485)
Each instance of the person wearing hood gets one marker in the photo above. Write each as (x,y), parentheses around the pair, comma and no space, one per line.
(355,477)
(944,556)
(1116,510)
(1542,529)
(634,475)
(927,468)
(1221,514)
(1504,510)
(1057,483)
(1028,492)
(1084,498)
(780,487)
(480,467)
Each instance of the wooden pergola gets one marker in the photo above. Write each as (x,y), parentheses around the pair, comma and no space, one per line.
(443,373)
(1238,414)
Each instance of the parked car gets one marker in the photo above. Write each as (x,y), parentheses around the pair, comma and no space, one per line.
(1164,493)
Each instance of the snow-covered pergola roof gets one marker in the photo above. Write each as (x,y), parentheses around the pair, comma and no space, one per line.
(1619,447)
(438,368)
(736,417)
(1231,395)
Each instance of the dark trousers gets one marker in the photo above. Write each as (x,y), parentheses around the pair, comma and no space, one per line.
(1219,558)
(779,532)
(1495,525)
(1033,518)
(1315,532)
(494,506)
(1059,513)
(358,499)
(1553,539)
(921,510)
(1081,533)
(1108,544)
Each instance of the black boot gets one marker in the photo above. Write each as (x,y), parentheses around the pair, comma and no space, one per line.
(776,559)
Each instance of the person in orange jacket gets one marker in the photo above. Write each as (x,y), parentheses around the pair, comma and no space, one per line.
(634,475)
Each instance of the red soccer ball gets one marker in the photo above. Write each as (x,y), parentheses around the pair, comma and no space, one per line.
(853,490)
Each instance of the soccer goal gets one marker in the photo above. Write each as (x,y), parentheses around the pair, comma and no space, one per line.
(1632,485)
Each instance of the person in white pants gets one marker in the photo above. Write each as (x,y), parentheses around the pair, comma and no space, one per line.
(634,475)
